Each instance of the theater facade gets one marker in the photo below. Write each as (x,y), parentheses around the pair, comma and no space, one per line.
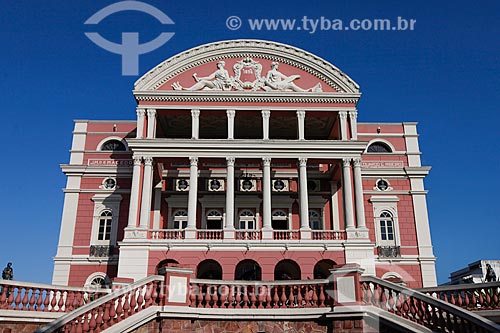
(245,161)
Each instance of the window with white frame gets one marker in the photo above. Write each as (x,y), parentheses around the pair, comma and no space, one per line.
(105,224)
(105,220)
(246,220)
(214,219)
(386,227)
(385,211)
(180,219)
(315,220)
(279,220)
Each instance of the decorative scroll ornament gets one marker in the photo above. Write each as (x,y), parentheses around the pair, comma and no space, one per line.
(247,76)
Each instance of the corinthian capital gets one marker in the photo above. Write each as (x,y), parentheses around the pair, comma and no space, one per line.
(230,161)
(195,113)
(137,160)
(151,113)
(230,113)
(193,161)
(353,115)
(266,114)
(148,160)
(356,162)
(301,114)
(303,162)
(266,161)
(343,115)
(140,112)
(346,162)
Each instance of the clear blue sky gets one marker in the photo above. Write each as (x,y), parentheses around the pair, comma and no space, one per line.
(444,74)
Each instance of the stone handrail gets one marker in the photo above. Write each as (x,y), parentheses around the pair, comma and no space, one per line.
(26,296)
(420,308)
(473,297)
(111,309)
(260,294)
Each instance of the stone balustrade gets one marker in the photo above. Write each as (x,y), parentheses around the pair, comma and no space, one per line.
(26,296)
(260,294)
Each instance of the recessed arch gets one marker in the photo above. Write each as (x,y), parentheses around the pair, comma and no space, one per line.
(98,280)
(322,268)
(287,269)
(166,263)
(209,269)
(248,270)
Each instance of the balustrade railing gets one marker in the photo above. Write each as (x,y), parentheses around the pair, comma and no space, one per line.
(111,309)
(286,234)
(260,294)
(473,297)
(248,235)
(328,235)
(210,234)
(26,296)
(166,234)
(422,309)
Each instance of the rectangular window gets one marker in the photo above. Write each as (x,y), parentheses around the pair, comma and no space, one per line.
(104,229)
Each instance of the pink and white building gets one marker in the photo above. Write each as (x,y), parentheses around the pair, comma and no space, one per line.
(246,161)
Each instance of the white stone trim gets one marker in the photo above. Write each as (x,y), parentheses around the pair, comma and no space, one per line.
(393,150)
(389,204)
(104,202)
(78,144)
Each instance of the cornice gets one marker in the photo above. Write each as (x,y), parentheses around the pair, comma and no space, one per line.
(242,48)
(244,97)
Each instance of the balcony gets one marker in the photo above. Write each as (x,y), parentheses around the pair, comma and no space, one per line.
(246,235)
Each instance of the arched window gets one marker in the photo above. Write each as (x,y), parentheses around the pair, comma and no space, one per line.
(379,147)
(105,222)
(209,269)
(248,270)
(279,220)
(315,220)
(180,219)
(247,220)
(214,220)
(98,280)
(160,268)
(386,224)
(287,270)
(113,145)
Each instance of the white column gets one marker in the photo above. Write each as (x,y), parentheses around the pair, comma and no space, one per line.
(346,177)
(301,115)
(140,123)
(358,193)
(151,123)
(157,206)
(134,192)
(353,116)
(303,195)
(335,205)
(195,124)
(266,114)
(230,194)
(147,191)
(230,123)
(193,193)
(266,193)
(343,125)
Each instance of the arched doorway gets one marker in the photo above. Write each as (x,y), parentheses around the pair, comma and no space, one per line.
(248,270)
(209,269)
(287,270)
(166,263)
(322,268)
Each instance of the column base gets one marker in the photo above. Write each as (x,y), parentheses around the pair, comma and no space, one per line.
(229,233)
(267,233)
(305,233)
(357,233)
(135,233)
(190,233)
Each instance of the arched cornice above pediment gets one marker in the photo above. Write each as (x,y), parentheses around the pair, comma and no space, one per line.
(247,65)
